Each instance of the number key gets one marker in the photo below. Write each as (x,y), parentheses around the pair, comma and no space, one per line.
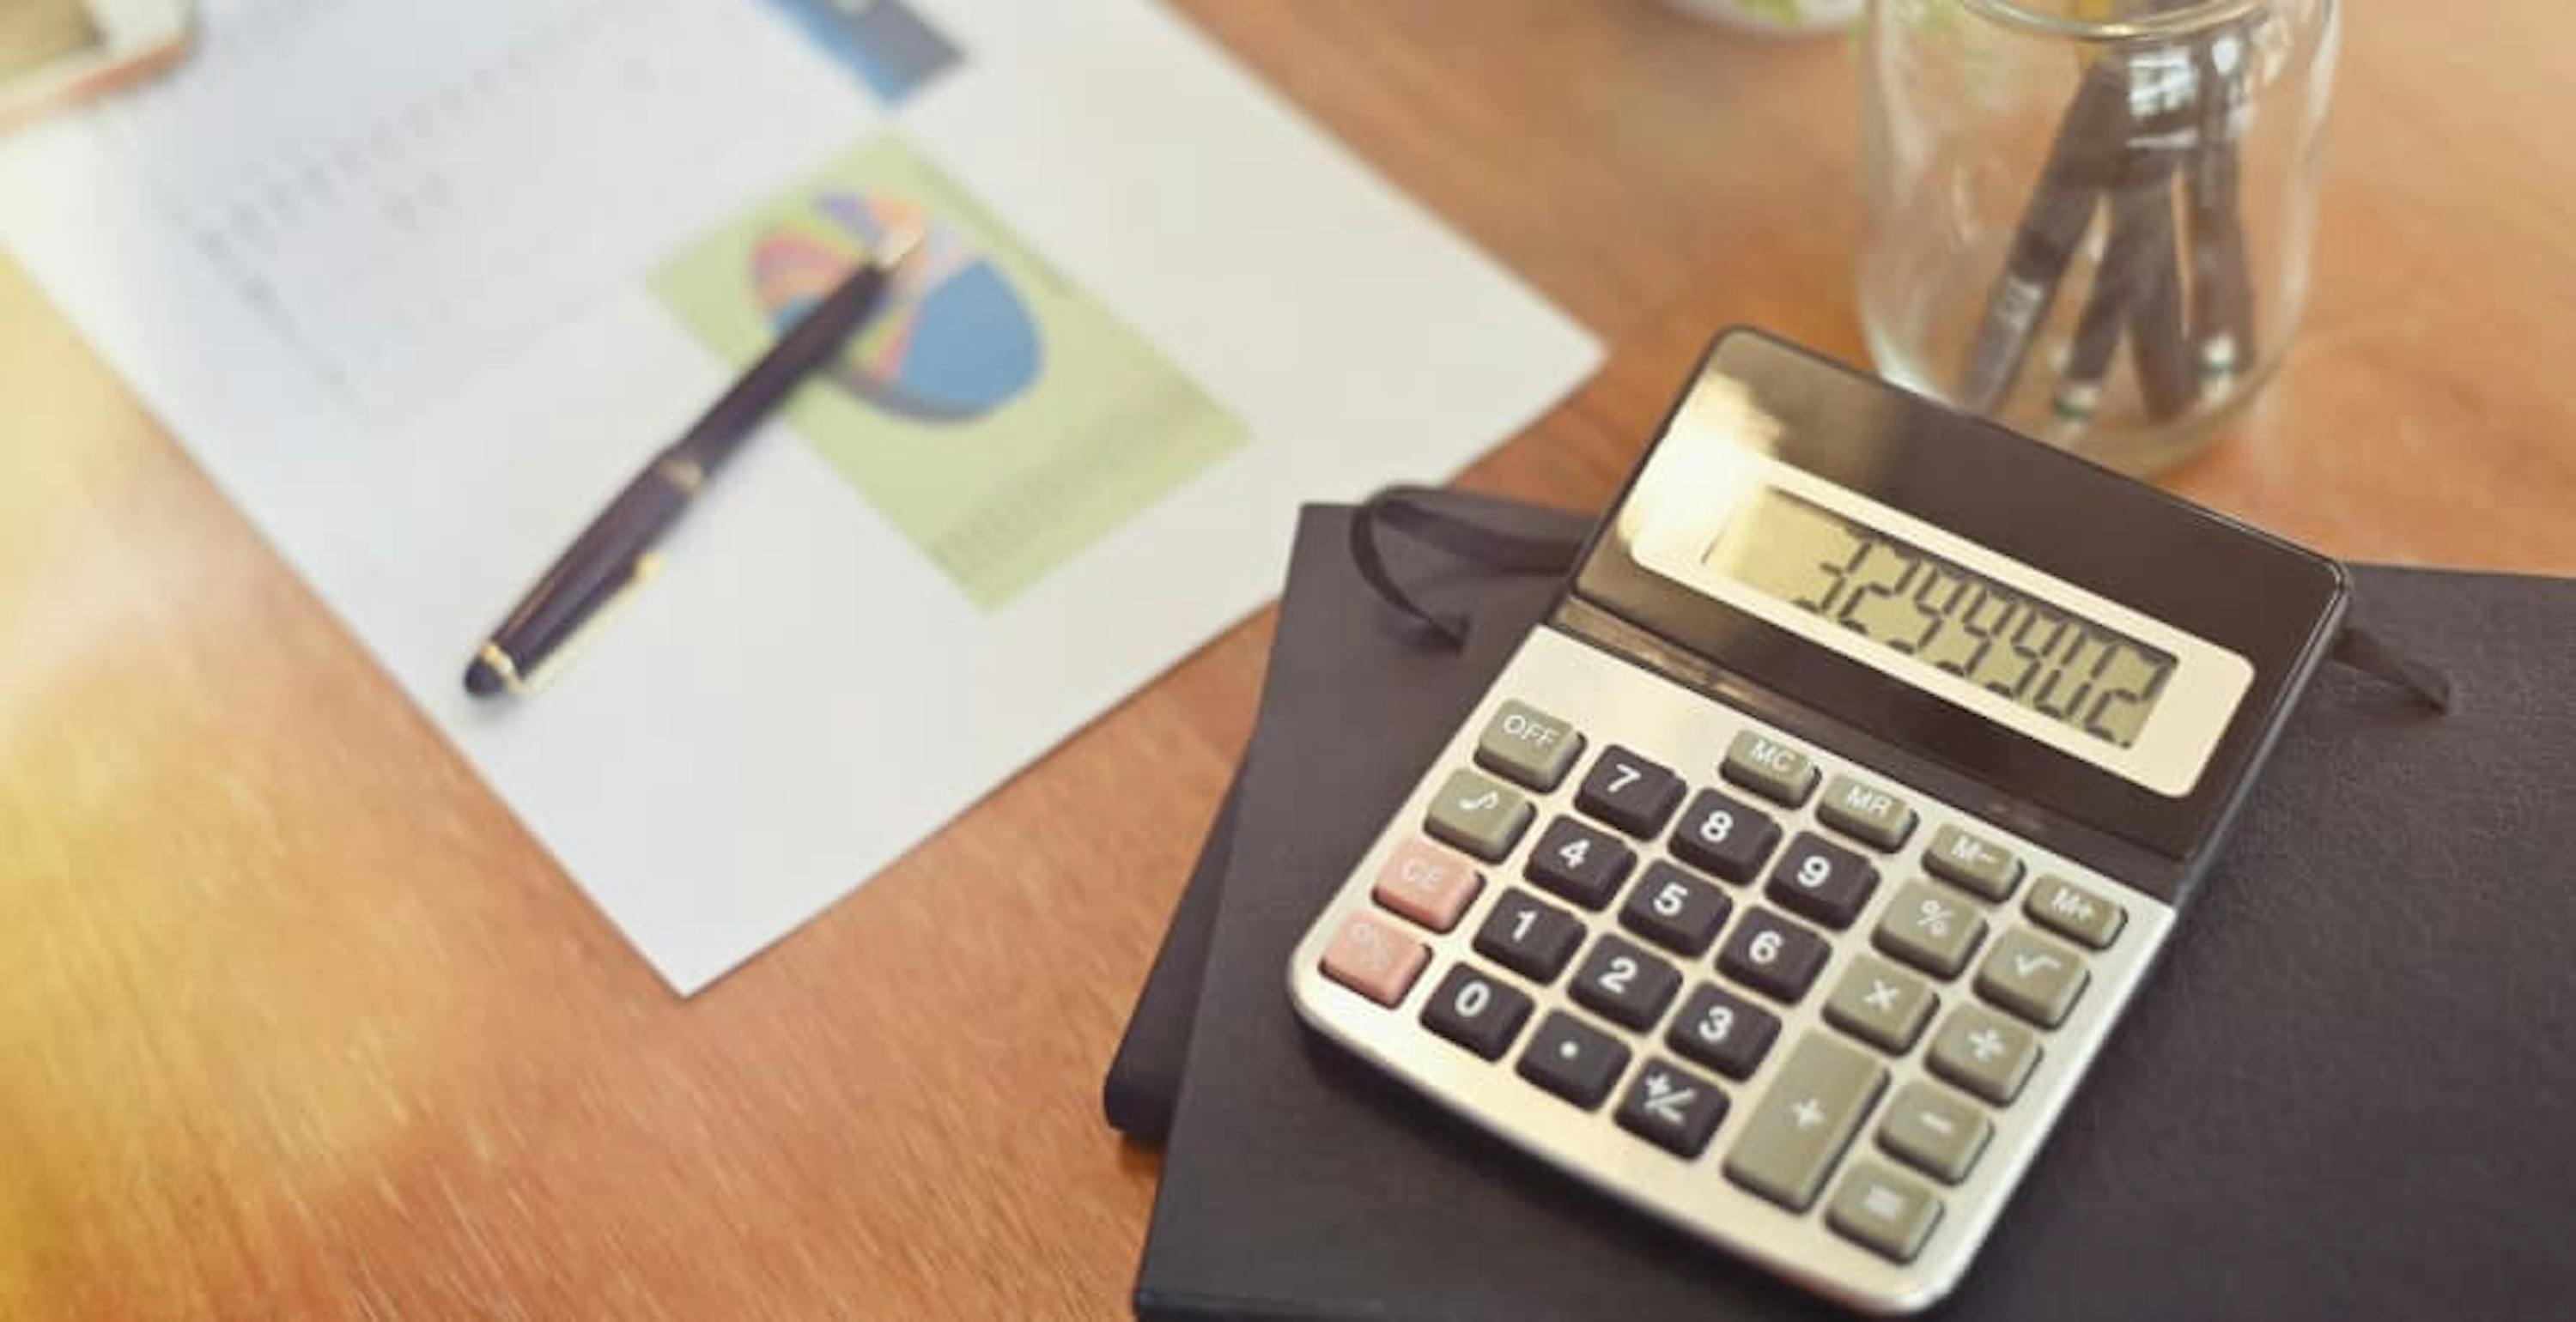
(1531,939)
(1724,836)
(1629,792)
(1675,910)
(1822,880)
(1476,1012)
(1624,983)
(1579,863)
(1773,956)
(1723,1031)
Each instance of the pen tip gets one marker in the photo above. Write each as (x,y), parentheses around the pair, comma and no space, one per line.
(481,680)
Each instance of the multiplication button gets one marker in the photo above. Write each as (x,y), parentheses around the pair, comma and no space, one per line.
(1880,1004)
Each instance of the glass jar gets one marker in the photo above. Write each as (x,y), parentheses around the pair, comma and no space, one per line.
(2091,219)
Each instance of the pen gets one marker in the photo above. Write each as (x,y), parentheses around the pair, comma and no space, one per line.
(2128,265)
(615,551)
(2053,222)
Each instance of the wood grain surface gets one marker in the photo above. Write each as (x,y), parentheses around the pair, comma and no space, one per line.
(296,1021)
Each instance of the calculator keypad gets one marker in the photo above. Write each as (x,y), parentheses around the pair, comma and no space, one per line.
(1880,1004)
(1743,954)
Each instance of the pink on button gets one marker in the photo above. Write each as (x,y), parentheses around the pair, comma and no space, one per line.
(1427,884)
(1371,957)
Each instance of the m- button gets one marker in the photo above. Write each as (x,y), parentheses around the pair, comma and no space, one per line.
(1966,860)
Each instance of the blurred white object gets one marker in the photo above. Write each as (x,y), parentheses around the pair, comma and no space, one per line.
(1778,17)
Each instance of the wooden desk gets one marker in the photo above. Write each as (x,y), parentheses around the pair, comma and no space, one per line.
(295,1020)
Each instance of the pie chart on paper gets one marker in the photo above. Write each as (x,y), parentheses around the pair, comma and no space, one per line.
(953,342)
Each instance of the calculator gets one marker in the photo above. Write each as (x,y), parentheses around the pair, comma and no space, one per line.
(1798,863)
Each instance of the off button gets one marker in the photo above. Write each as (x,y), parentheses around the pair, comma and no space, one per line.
(1528,747)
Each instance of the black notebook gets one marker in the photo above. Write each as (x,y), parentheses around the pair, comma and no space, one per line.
(2350,1091)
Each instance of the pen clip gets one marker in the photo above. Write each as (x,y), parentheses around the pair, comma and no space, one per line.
(609,600)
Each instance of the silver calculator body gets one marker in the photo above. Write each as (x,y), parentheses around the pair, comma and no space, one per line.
(1789,877)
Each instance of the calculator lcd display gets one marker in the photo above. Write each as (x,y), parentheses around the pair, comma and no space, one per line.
(2040,655)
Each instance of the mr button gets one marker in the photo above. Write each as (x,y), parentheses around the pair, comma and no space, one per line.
(1529,746)
(1863,813)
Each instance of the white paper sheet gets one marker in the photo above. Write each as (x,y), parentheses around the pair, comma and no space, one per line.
(385,267)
